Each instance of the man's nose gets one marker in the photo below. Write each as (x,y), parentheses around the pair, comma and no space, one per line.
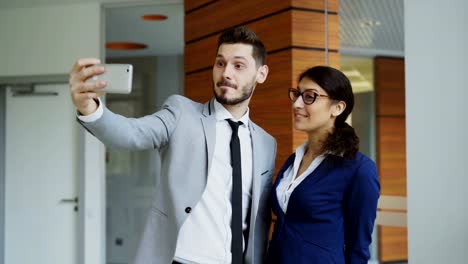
(227,73)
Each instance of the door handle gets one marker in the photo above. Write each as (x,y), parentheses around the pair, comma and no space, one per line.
(73,200)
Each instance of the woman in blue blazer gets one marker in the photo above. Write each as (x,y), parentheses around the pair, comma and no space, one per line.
(325,195)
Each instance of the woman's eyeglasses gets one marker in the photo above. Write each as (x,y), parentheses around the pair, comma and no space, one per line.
(308,96)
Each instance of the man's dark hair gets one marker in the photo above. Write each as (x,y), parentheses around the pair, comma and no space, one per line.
(245,36)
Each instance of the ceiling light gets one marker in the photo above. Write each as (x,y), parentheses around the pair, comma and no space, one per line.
(370,23)
(125,46)
(351,73)
(154,17)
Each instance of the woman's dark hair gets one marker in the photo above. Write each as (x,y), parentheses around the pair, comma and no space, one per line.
(343,140)
(245,36)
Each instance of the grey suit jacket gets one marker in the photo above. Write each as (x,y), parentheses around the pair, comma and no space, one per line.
(184,131)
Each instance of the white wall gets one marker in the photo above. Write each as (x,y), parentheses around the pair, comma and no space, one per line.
(47,40)
(436,43)
(2,170)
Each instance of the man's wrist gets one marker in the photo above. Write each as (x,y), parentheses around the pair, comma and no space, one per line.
(90,109)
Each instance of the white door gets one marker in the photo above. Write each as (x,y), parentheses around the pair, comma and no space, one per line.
(41,170)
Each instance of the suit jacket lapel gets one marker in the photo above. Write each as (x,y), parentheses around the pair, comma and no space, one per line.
(257,166)
(208,120)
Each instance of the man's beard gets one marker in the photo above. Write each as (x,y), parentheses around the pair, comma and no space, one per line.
(247,91)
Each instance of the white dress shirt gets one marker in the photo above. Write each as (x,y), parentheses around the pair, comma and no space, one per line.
(289,182)
(205,237)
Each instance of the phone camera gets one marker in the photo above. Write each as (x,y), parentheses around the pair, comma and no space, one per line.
(128,70)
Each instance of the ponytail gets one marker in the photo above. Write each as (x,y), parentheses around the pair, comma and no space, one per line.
(343,141)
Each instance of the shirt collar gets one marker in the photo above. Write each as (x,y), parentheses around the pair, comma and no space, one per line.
(300,151)
(222,113)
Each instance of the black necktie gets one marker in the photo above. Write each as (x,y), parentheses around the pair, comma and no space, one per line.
(236,198)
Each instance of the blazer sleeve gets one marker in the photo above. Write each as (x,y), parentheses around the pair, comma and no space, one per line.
(359,213)
(151,131)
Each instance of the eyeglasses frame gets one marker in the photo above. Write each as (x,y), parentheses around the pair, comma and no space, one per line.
(301,94)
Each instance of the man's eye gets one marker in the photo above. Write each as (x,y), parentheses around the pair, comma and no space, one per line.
(220,63)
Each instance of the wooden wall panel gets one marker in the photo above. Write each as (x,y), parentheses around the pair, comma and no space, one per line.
(309,30)
(270,105)
(392,246)
(333,5)
(304,59)
(391,149)
(391,142)
(223,14)
(309,33)
(189,5)
(200,54)
(390,80)
(199,86)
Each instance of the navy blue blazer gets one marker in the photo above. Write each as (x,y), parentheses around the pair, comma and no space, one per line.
(330,215)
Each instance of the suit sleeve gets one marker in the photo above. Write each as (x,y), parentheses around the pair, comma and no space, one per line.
(360,212)
(151,131)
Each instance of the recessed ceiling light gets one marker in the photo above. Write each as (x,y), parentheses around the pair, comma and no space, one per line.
(154,17)
(125,46)
(370,23)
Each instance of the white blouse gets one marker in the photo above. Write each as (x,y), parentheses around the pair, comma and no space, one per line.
(289,182)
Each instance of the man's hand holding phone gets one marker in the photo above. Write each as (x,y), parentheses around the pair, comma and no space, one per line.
(89,80)
(83,93)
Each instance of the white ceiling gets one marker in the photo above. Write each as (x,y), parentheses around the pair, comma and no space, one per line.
(162,37)
(372,27)
(367,27)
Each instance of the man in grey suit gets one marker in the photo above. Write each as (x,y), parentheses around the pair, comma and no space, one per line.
(208,207)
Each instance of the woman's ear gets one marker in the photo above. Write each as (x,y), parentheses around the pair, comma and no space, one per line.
(338,108)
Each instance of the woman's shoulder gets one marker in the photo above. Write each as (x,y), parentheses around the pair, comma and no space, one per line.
(360,159)
(358,165)
(365,168)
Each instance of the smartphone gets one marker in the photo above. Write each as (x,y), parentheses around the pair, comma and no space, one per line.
(118,78)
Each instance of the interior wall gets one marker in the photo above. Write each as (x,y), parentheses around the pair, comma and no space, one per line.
(48,39)
(170,77)
(44,39)
(436,42)
(364,122)
(2,173)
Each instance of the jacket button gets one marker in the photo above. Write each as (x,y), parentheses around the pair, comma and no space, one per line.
(188,209)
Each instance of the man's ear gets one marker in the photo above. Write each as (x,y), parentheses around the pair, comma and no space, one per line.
(338,108)
(262,74)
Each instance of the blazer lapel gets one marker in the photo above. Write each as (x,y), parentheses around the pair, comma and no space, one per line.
(209,127)
(257,166)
